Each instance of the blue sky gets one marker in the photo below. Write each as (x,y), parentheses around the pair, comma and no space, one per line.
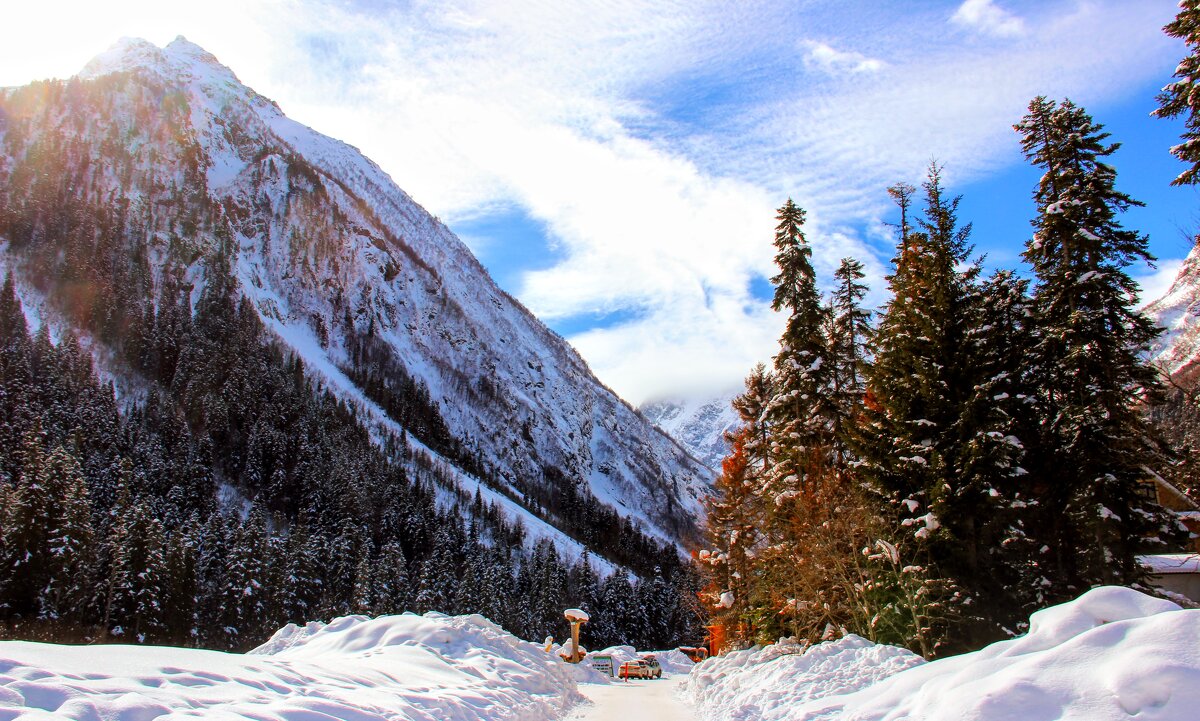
(616,164)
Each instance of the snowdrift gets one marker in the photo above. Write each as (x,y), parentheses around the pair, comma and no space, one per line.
(1109,655)
(777,682)
(416,668)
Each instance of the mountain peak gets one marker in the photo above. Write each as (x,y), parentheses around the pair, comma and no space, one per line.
(179,58)
(125,54)
(184,48)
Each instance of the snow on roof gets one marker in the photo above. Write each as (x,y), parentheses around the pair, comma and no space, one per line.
(1164,563)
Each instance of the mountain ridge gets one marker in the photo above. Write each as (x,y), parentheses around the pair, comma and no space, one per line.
(1177,350)
(341,264)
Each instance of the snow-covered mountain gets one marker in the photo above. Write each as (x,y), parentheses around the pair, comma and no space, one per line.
(347,270)
(1178,349)
(699,424)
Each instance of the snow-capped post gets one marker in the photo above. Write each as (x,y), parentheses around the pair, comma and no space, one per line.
(577,618)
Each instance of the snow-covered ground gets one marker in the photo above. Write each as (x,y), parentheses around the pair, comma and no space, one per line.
(414,668)
(636,700)
(1112,654)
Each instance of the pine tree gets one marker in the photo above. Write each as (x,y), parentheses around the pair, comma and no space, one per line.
(499,599)
(436,587)
(849,332)
(27,519)
(917,381)
(135,588)
(246,595)
(1182,97)
(180,611)
(733,519)
(800,407)
(300,592)
(989,510)
(1089,356)
(70,550)
(920,441)
(393,586)
(366,595)
(753,407)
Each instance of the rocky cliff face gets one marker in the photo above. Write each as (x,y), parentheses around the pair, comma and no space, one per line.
(1178,312)
(180,162)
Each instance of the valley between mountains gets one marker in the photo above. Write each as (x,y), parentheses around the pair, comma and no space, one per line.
(266,349)
(274,445)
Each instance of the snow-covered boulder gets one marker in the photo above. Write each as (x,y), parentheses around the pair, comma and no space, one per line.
(416,668)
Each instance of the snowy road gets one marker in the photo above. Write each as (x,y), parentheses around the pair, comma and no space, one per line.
(636,701)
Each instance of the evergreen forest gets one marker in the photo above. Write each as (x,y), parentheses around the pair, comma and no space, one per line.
(985,446)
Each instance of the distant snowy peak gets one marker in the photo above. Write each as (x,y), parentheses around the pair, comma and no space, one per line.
(1178,312)
(699,424)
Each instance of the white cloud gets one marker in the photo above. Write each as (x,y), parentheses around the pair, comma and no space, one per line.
(652,140)
(1155,282)
(986,17)
(830,60)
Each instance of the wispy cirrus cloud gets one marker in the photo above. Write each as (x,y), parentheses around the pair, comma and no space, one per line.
(651,141)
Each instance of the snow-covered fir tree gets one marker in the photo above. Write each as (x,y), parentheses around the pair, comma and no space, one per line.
(849,331)
(1181,97)
(799,408)
(1093,379)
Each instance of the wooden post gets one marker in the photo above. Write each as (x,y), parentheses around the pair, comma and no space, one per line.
(575,655)
(577,618)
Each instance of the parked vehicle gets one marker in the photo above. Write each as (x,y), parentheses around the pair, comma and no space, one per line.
(655,667)
(635,669)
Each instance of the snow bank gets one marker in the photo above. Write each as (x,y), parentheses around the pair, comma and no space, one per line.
(1109,655)
(673,661)
(776,681)
(415,668)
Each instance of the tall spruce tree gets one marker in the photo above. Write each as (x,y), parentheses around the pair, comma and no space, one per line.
(26,520)
(935,444)
(799,409)
(916,381)
(1182,97)
(70,549)
(849,331)
(801,414)
(1089,356)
